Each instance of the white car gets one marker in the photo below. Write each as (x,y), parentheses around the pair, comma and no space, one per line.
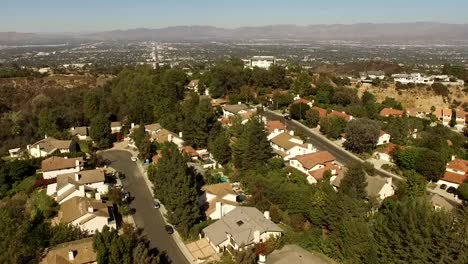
(133,158)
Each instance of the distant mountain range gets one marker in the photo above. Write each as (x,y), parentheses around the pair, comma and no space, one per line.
(424,32)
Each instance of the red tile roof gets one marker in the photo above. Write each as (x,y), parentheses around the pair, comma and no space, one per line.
(302,100)
(311,160)
(274,124)
(391,112)
(340,114)
(318,174)
(189,151)
(458,164)
(322,112)
(454,177)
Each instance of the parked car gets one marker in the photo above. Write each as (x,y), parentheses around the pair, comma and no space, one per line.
(169,229)
(157,205)
(443,186)
(134,158)
(451,189)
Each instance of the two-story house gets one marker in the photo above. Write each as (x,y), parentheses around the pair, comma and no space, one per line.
(73,252)
(242,227)
(315,164)
(87,214)
(218,200)
(48,146)
(288,146)
(53,166)
(456,172)
(78,184)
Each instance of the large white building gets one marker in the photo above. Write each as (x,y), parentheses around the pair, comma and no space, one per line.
(260,61)
(416,78)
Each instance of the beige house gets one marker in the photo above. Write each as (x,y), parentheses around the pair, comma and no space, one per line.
(87,214)
(53,166)
(241,228)
(315,164)
(82,184)
(218,200)
(48,146)
(287,146)
(81,133)
(74,252)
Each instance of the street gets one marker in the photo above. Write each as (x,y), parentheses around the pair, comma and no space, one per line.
(146,216)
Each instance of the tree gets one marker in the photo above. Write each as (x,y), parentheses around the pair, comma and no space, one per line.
(414,186)
(220,148)
(252,148)
(392,103)
(100,131)
(354,182)
(463,191)
(332,126)
(312,117)
(362,135)
(302,84)
(199,122)
(453,119)
(298,110)
(176,186)
(440,89)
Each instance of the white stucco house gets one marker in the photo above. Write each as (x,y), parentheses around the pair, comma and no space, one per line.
(116,127)
(379,187)
(218,200)
(48,146)
(456,172)
(242,227)
(86,213)
(83,184)
(81,133)
(53,166)
(263,62)
(384,138)
(288,146)
(234,109)
(314,165)
(14,153)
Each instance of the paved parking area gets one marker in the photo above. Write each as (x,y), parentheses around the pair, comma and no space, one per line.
(202,250)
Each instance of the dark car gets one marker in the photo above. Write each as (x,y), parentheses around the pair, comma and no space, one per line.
(169,229)
(451,189)
(287,117)
(443,186)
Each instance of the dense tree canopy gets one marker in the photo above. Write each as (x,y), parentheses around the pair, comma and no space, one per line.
(362,135)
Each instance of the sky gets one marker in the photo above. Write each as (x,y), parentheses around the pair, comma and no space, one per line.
(99,15)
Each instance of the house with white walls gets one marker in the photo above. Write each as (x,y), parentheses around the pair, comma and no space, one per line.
(87,214)
(81,133)
(53,166)
(416,78)
(288,146)
(456,173)
(73,252)
(445,117)
(48,146)
(85,183)
(263,62)
(379,187)
(116,127)
(314,165)
(298,100)
(384,138)
(217,200)
(275,126)
(242,227)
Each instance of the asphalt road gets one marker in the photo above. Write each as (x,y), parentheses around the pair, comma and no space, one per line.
(146,216)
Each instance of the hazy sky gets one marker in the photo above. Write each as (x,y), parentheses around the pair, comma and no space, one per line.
(96,15)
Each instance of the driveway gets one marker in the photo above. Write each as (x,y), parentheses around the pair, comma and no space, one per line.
(146,216)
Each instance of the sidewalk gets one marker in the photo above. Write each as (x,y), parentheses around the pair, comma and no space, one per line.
(177,238)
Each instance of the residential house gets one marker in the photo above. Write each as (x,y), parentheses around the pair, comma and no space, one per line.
(293,254)
(218,200)
(416,112)
(53,166)
(384,138)
(386,153)
(369,76)
(341,114)
(379,187)
(315,164)
(456,172)
(275,126)
(387,112)
(48,146)
(87,214)
(235,109)
(193,85)
(263,62)
(288,146)
(416,78)
(207,160)
(189,151)
(83,183)
(242,227)
(445,116)
(116,127)
(299,100)
(14,153)
(322,112)
(163,135)
(81,133)
(74,252)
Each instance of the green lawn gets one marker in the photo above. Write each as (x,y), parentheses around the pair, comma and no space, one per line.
(84,146)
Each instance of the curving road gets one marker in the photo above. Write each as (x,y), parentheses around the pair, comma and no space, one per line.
(146,216)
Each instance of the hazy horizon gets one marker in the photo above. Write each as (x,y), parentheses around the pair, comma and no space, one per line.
(52,16)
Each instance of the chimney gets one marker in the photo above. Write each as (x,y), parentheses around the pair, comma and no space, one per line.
(180,134)
(132,125)
(28,147)
(219,209)
(77,164)
(261,259)
(71,254)
(256,235)
(90,209)
(97,196)
(291,133)
(453,157)
(239,102)
(77,177)
(169,138)
(45,136)
(266,214)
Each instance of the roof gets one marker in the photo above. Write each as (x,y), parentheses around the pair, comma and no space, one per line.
(193,83)
(240,223)
(459,165)
(311,160)
(302,101)
(162,135)
(440,201)
(153,127)
(220,189)
(284,140)
(77,207)
(375,185)
(85,177)
(414,111)
(83,131)
(318,174)
(235,108)
(116,124)
(389,148)
(383,133)
(454,177)
(83,252)
(271,125)
(218,101)
(189,151)
(294,254)
(59,163)
(51,144)
(322,112)
(340,114)
(391,112)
